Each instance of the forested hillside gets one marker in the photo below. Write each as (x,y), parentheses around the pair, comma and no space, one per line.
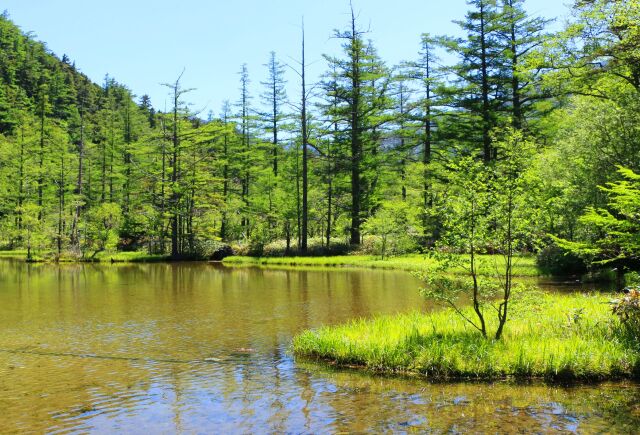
(374,156)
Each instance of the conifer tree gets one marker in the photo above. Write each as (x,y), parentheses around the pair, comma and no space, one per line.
(361,93)
(477,90)
(275,98)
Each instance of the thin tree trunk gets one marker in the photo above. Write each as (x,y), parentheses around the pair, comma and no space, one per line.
(474,275)
(426,160)
(356,144)
(274,102)
(329,195)
(75,233)
(298,204)
(41,159)
(486,115)
(20,181)
(503,309)
(225,181)
(163,205)
(175,236)
(127,162)
(305,169)
(60,206)
(515,82)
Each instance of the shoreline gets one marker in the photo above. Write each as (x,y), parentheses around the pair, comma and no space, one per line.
(525,266)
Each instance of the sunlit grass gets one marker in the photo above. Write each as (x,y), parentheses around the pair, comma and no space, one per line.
(130,257)
(17,253)
(544,341)
(488,264)
(115,257)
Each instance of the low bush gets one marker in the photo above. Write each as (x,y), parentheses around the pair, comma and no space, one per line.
(627,308)
(553,260)
(278,248)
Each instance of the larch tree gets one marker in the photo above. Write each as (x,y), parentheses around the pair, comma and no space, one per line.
(361,93)
(520,35)
(424,112)
(476,87)
(225,116)
(245,121)
(175,176)
(275,98)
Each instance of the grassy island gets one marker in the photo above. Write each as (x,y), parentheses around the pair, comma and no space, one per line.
(557,337)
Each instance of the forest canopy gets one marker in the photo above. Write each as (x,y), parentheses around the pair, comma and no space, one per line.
(369,157)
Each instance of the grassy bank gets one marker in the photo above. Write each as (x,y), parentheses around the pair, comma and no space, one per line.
(488,264)
(17,253)
(108,257)
(559,337)
(130,257)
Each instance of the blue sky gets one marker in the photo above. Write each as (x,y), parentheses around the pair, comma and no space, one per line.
(145,43)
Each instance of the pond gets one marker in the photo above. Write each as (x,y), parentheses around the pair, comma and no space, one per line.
(197,347)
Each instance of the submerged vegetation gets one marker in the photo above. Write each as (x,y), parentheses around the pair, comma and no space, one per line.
(556,337)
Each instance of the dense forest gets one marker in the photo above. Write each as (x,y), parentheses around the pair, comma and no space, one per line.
(522,122)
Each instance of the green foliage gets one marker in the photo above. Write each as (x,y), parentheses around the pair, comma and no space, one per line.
(31,229)
(598,47)
(392,155)
(615,231)
(490,208)
(627,308)
(553,260)
(102,228)
(393,224)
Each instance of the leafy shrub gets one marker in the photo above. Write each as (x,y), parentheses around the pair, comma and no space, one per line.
(315,247)
(212,249)
(632,279)
(627,308)
(240,248)
(553,260)
(393,228)
(102,228)
(278,248)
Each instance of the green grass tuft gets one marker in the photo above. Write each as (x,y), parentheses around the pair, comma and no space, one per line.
(540,342)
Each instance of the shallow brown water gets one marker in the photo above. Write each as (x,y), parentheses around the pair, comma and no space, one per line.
(198,348)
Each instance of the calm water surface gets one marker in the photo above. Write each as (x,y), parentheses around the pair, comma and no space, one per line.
(198,348)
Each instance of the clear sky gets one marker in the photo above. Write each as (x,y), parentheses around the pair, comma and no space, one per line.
(143,43)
